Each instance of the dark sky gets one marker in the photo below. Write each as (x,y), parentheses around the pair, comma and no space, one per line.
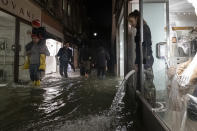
(99,12)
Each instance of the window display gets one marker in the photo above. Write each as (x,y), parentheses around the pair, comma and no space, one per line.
(182,72)
(182,83)
(175,65)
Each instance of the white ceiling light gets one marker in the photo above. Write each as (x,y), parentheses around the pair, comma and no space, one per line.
(194,3)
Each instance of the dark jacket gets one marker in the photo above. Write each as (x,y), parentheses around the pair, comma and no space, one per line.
(147,47)
(102,58)
(65,54)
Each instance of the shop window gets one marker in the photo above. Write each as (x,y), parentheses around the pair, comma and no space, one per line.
(173,92)
(7,40)
(24,39)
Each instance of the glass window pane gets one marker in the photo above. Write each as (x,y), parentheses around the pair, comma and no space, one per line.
(7,40)
(24,39)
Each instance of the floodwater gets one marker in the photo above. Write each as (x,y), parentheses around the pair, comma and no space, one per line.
(60,104)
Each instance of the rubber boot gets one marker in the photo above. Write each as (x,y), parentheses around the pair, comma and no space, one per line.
(27,62)
(34,83)
(38,83)
(42,62)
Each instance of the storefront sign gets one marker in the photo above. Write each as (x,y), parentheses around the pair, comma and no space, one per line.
(21,8)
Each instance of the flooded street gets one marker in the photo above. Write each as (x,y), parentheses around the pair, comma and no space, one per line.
(74,104)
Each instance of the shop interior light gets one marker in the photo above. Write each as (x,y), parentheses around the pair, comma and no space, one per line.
(194,3)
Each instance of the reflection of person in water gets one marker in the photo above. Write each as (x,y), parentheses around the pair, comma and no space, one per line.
(134,20)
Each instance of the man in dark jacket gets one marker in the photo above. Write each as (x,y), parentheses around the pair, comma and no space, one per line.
(65,55)
(101,62)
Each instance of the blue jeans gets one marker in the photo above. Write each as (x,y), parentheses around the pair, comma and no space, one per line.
(63,68)
(34,72)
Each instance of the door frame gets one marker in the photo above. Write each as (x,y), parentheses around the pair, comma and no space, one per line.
(121,17)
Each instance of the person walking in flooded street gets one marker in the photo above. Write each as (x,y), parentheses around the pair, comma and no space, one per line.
(35,61)
(85,61)
(134,20)
(65,55)
(101,62)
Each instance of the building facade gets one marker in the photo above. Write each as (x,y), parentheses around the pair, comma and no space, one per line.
(62,19)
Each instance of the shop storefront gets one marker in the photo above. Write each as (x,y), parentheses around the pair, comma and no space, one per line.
(173,28)
(170,103)
(180,57)
(15,25)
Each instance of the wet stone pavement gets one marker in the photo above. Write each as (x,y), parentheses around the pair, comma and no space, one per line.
(60,104)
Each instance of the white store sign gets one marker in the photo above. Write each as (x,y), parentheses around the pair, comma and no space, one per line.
(21,8)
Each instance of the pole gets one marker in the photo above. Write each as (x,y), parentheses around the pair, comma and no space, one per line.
(141,51)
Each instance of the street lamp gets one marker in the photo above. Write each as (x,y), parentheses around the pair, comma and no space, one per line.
(95,34)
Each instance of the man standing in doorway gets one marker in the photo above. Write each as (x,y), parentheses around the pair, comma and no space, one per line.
(64,54)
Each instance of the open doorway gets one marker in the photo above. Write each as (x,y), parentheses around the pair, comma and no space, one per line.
(51,64)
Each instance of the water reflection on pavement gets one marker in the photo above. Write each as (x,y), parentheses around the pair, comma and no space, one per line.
(73,104)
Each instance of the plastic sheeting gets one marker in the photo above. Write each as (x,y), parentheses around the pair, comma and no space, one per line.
(182,107)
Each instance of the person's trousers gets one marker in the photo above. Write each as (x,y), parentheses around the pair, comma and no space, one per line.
(101,71)
(34,72)
(149,87)
(63,69)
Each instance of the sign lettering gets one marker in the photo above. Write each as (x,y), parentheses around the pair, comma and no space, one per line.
(24,9)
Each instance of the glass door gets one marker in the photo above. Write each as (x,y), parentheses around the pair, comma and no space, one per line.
(7,42)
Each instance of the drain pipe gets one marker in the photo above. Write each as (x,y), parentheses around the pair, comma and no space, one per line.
(127,76)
